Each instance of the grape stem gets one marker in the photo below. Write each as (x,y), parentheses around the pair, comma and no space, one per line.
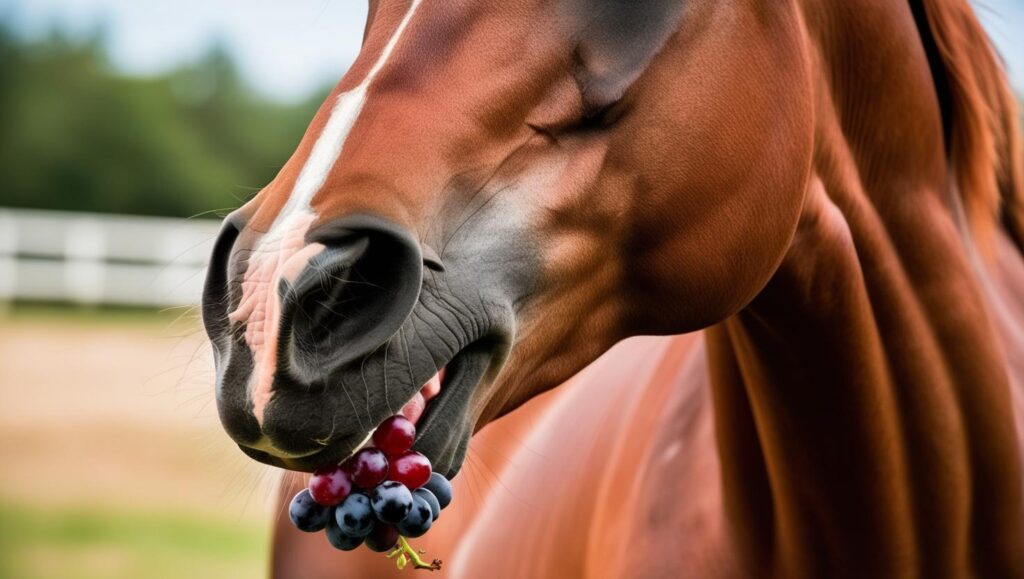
(414,556)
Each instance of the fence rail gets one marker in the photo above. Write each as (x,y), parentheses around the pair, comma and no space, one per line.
(89,258)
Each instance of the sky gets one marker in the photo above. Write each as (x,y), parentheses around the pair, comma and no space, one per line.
(285,48)
(289,48)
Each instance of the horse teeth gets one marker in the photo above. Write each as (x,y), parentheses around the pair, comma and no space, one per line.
(415,407)
(433,386)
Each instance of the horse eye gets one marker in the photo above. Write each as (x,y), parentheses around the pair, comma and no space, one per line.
(589,120)
(599,117)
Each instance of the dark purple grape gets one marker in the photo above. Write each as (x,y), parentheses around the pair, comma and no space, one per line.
(306,514)
(441,488)
(435,505)
(382,538)
(419,519)
(391,501)
(339,539)
(354,516)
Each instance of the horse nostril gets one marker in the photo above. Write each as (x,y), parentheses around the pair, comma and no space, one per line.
(330,280)
(352,296)
(216,290)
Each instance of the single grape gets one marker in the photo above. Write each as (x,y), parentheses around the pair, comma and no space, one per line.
(354,516)
(395,435)
(339,539)
(419,519)
(382,538)
(306,514)
(330,485)
(391,501)
(435,505)
(441,488)
(411,469)
(367,468)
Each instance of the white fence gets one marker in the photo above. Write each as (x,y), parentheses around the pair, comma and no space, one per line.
(90,258)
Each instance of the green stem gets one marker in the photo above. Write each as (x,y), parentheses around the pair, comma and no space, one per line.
(414,557)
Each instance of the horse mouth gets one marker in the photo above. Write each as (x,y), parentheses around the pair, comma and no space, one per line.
(330,345)
(414,409)
(437,409)
(444,429)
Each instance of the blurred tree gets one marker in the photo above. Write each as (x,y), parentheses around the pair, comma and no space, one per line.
(77,135)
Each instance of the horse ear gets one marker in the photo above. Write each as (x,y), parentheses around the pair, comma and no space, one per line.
(616,39)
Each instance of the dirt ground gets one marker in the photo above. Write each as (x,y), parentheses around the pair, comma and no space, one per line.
(113,413)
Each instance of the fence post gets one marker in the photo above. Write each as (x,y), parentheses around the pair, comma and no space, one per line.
(85,247)
(8,258)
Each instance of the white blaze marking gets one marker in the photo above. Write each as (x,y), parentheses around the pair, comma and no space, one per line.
(278,254)
(331,140)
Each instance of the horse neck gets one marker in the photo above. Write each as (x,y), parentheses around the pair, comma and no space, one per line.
(861,401)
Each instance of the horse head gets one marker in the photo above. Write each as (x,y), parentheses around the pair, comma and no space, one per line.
(493,196)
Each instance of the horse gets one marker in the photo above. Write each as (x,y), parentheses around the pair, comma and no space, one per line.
(751,272)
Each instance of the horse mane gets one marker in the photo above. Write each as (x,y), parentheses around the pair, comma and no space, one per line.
(979,110)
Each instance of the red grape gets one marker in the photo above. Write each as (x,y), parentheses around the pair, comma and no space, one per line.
(411,469)
(330,485)
(367,468)
(395,435)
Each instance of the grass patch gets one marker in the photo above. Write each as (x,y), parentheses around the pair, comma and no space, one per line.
(87,543)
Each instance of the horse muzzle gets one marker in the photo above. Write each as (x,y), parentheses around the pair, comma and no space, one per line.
(320,334)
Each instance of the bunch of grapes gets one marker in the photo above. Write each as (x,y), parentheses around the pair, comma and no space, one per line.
(380,496)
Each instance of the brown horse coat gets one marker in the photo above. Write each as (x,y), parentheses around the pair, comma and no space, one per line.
(858,412)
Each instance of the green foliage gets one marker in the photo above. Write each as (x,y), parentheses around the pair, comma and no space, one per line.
(87,543)
(77,135)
